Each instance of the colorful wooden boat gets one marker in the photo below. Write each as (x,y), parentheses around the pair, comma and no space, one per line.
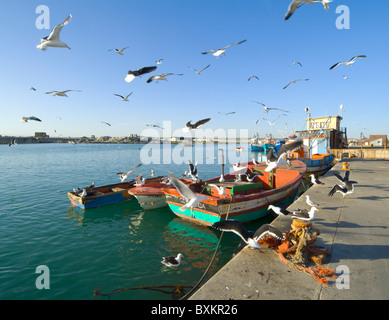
(151,196)
(245,201)
(105,195)
(315,154)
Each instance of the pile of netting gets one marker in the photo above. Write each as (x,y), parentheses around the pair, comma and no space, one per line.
(298,251)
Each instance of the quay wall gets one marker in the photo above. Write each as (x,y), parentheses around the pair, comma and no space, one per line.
(362,153)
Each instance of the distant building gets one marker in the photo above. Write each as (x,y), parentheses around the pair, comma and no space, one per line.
(375,140)
(41,135)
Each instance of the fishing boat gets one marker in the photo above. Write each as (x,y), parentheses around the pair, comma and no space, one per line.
(243,200)
(151,196)
(256,144)
(105,195)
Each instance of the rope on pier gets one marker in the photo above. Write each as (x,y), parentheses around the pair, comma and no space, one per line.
(299,252)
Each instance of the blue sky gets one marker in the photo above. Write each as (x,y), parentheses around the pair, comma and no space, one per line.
(178,31)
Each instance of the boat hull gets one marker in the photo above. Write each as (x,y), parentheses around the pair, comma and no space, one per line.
(318,166)
(149,198)
(242,207)
(256,147)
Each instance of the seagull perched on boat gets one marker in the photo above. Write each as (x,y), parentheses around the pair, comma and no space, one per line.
(162,76)
(284,151)
(199,71)
(250,239)
(119,51)
(348,63)
(190,197)
(83,193)
(139,180)
(61,93)
(310,202)
(279,210)
(25,119)
(137,73)
(304,214)
(220,189)
(124,175)
(252,178)
(315,180)
(190,126)
(123,98)
(346,187)
(53,39)
(218,52)
(172,261)
(267,109)
(294,81)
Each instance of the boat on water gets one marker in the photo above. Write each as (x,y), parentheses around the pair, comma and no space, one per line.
(256,144)
(245,200)
(151,196)
(105,195)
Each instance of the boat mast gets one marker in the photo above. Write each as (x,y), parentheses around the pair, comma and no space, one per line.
(309,135)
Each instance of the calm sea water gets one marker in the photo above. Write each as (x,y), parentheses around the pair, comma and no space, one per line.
(118,246)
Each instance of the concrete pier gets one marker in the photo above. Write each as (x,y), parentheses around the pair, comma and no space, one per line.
(355,229)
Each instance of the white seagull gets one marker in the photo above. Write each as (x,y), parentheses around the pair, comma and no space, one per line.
(199,71)
(315,180)
(61,93)
(53,39)
(346,187)
(137,73)
(294,81)
(193,170)
(267,109)
(190,197)
(123,98)
(284,150)
(348,63)
(295,4)
(218,52)
(249,238)
(119,51)
(172,261)
(159,61)
(124,175)
(304,214)
(220,189)
(162,76)
(310,202)
(25,119)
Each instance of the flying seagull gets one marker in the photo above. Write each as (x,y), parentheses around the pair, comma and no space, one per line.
(190,197)
(295,4)
(294,81)
(162,76)
(284,150)
(227,113)
(119,51)
(250,239)
(221,189)
(193,170)
(159,61)
(33,89)
(172,261)
(53,39)
(270,123)
(25,119)
(124,175)
(154,125)
(197,124)
(251,77)
(315,180)
(108,124)
(123,98)
(137,73)
(296,62)
(347,63)
(218,52)
(61,93)
(346,187)
(199,71)
(13,141)
(267,109)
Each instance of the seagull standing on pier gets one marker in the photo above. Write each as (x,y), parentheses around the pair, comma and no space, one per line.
(315,180)
(310,202)
(190,197)
(53,39)
(304,214)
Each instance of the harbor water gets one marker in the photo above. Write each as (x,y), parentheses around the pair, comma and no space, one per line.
(118,246)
